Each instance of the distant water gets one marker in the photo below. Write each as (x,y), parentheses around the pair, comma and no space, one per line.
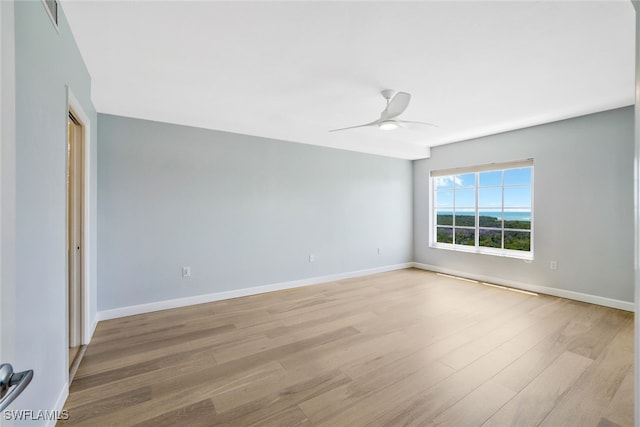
(509,216)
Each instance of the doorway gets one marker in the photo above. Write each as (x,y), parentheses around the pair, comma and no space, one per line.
(75,233)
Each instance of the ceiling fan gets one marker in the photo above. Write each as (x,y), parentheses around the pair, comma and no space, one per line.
(395,107)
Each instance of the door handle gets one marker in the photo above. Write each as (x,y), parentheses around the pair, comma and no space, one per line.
(12,384)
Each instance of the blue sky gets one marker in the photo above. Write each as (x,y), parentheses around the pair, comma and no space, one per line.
(517,190)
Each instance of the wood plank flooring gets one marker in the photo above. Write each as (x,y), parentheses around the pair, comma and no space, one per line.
(407,347)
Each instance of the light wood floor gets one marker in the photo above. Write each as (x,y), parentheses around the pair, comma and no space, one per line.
(401,348)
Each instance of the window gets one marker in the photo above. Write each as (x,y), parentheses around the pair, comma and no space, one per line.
(485,209)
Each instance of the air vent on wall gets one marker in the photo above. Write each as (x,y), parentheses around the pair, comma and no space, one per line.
(52,10)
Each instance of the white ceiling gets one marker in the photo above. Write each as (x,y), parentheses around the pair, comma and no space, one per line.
(294,70)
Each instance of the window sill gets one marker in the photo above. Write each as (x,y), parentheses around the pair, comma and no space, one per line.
(527,256)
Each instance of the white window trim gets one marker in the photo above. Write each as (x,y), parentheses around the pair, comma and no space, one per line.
(509,253)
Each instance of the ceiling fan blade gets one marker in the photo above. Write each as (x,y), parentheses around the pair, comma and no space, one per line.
(354,127)
(417,123)
(396,106)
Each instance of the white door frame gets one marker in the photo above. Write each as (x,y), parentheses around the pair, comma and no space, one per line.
(74,105)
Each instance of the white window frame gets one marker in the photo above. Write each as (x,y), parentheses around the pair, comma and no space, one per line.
(512,253)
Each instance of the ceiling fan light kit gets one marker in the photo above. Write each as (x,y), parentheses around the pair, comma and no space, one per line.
(395,107)
(388,125)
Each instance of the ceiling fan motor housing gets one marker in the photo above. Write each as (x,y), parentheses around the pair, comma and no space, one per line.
(387,93)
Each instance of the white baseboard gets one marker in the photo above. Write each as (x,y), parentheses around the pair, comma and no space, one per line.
(59,405)
(218,296)
(562,293)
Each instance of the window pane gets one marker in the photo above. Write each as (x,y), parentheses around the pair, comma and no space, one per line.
(490,178)
(491,238)
(490,198)
(517,176)
(443,182)
(517,219)
(465,180)
(517,197)
(465,218)
(491,219)
(444,235)
(465,237)
(517,240)
(444,199)
(465,198)
(444,217)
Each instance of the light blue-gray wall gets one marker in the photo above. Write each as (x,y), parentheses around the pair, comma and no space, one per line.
(241,211)
(583,204)
(46,62)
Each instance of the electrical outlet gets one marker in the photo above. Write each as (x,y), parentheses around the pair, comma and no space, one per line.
(379,251)
(553,265)
(312,258)
(186,272)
